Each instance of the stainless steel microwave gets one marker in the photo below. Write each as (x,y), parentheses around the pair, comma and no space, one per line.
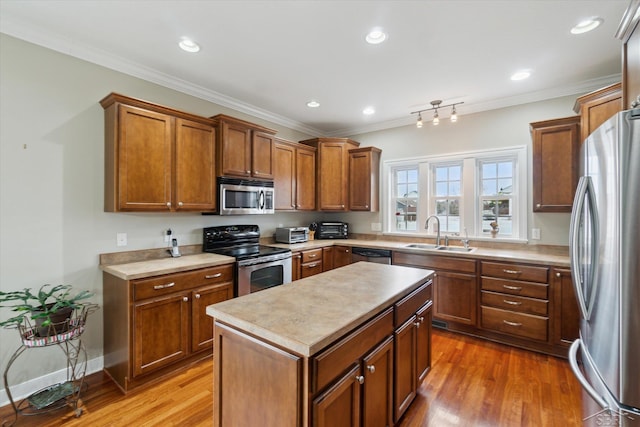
(237,196)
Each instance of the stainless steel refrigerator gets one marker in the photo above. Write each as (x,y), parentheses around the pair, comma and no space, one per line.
(605,264)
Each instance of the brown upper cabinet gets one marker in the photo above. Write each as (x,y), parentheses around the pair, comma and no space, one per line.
(555,163)
(597,107)
(364,179)
(245,149)
(332,172)
(629,33)
(294,180)
(157,158)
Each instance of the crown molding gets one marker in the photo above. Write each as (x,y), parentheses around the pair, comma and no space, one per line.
(105,59)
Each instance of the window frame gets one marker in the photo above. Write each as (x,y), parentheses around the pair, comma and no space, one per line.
(470,208)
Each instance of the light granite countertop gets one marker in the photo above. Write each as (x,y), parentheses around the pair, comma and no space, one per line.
(307,315)
(156,267)
(556,257)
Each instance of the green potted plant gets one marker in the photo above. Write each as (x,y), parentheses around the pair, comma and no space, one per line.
(50,308)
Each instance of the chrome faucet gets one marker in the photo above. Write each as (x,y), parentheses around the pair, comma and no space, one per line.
(426,227)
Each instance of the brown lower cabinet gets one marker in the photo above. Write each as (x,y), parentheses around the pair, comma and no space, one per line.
(153,326)
(314,261)
(530,306)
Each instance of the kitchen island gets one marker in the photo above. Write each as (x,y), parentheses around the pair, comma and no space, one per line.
(333,349)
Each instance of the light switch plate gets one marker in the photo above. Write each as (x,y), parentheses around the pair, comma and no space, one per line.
(121,239)
(535,234)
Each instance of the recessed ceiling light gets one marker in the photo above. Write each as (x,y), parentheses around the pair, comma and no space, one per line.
(189,45)
(520,75)
(313,104)
(368,111)
(587,25)
(376,36)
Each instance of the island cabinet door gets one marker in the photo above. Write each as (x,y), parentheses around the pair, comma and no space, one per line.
(339,406)
(423,339)
(377,389)
(406,380)
(161,332)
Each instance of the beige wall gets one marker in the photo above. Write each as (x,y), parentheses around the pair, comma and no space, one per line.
(507,127)
(52,224)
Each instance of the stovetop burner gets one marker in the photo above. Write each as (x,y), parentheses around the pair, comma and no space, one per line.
(239,241)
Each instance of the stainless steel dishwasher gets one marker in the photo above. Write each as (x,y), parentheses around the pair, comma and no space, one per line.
(380,256)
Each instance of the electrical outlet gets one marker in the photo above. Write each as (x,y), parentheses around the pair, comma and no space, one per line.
(535,234)
(121,239)
(167,235)
(376,226)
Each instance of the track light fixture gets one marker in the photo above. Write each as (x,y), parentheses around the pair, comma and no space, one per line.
(435,105)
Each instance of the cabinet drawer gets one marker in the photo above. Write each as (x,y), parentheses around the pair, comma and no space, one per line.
(162,285)
(514,287)
(515,272)
(518,324)
(408,306)
(515,303)
(310,269)
(329,364)
(435,262)
(312,255)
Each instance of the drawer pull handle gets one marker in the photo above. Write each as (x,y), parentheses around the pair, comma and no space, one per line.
(360,379)
(371,368)
(213,276)
(512,288)
(506,301)
(512,271)
(315,264)
(512,323)
(168,285)
(312,255)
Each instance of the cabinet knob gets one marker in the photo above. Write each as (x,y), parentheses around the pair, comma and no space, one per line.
(558,274)
(185,299)
(371,368)
(416,324)
(420,319)
(180,204)
(169,204)
(366,206)
(342,206)
(538,205)
(360,379)
(247,171)
(197,296)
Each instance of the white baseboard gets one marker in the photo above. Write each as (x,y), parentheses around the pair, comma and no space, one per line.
(20,391)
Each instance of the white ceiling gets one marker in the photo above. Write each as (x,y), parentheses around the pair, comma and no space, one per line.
(268,58)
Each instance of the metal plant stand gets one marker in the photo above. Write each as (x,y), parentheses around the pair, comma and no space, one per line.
(66,336)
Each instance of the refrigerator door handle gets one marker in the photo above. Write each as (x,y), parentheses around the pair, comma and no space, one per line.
(573,361)
(583,192)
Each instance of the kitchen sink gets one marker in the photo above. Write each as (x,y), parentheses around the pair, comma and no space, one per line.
(422,246)
(440,248)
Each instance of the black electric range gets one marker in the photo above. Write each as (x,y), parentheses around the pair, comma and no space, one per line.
(239,241)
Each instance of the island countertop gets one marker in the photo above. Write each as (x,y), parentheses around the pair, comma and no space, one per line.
(309,314)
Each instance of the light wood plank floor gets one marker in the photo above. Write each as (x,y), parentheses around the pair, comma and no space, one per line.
(472,383)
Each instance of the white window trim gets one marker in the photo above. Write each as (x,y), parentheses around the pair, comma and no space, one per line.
(470,191)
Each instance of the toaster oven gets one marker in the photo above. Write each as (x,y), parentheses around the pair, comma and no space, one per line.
(292,234)
(332,230)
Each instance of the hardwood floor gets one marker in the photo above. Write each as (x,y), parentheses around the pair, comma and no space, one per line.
(472,383)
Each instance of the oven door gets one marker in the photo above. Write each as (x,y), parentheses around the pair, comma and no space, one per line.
(263,275)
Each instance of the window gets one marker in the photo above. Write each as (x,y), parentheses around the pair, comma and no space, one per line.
(496,196)
(470,193)
(406,198)
(447,195)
